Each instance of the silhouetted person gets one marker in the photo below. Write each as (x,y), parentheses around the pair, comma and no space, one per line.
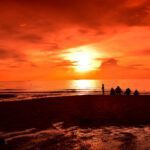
(136,93)
(103,89)
(118,91)
(112,92)
(128,92)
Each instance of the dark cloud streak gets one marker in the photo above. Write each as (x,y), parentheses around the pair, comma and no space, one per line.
(11,54)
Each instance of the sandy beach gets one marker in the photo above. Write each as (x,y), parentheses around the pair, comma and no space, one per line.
(90,110)
(76,122)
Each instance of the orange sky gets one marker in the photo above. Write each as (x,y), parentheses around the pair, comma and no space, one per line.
(46,39)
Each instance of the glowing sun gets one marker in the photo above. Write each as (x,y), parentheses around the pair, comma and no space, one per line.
(84,59)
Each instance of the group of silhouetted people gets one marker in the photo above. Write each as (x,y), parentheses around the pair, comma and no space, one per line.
(118,91)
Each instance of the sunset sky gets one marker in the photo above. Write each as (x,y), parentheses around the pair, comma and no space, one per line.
(74,39)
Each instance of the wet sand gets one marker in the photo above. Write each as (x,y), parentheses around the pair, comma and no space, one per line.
(59,138)
(84,111)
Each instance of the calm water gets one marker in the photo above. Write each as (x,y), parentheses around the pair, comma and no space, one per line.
(34,89)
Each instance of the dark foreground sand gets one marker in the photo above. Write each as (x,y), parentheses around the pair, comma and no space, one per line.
(83,111)
(77,123)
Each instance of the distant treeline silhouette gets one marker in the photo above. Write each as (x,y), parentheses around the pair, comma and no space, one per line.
(119,91)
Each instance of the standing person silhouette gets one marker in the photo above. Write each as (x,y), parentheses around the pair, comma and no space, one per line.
(103,89)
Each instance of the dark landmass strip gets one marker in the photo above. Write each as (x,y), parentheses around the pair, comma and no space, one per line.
(84,111)
(2,96)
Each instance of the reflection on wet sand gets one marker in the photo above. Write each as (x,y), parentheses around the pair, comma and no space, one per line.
(75,138)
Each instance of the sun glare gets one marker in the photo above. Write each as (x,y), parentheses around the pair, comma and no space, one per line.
(84,59)
(84,84)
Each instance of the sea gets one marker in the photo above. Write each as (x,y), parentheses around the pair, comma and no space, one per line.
(25,90)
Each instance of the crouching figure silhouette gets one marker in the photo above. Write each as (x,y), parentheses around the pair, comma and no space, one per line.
(136,93)
(118,91)
(128,92)
(112,92)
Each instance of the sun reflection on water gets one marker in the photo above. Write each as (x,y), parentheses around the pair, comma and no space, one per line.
(85,84)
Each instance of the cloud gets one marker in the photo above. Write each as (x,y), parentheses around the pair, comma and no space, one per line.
(64,64)
(112,68)
(8,28)
(111,62)
(81,12)
(31,38)
(45,21)
(11,54)
(142,52)
(39,31)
